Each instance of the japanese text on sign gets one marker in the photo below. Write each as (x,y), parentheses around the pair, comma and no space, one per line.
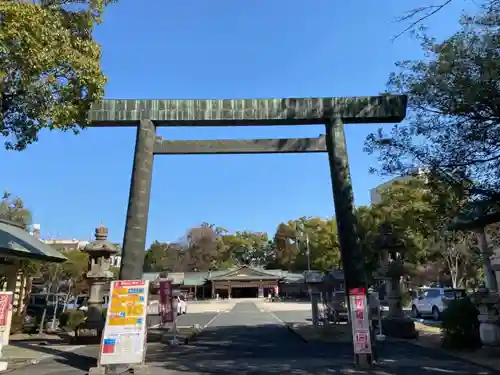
(360,321)
(166,303)
(124,334)
(5,301)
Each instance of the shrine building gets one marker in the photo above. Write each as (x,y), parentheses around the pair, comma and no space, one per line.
(240,282)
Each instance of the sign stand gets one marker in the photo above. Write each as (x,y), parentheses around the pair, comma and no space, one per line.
(360,324)
(124,339)
(168,313)
(174,341)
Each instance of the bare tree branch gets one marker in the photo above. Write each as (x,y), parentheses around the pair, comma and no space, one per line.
(422,13)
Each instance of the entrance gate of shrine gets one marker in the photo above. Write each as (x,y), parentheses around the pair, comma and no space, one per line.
(146,115)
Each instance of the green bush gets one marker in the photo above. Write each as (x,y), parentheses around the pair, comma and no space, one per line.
(64,318)
(70,320)
(460,325)
(406,299)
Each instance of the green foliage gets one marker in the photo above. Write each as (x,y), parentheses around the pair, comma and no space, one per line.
(116,272)
(244,248)
(419,210)
(454,114)
(13,209)
(74,269)
(70,320)
(49,67)
(406,299)
(460,325)
(295,238)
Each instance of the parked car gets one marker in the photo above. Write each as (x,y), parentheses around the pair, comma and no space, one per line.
(76,302)
(38,302)
(85,305)
(431,302)
(181,305)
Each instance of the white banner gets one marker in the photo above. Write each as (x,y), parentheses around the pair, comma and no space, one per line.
(124,336)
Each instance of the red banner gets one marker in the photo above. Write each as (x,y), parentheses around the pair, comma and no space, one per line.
(4,308)
(166,305)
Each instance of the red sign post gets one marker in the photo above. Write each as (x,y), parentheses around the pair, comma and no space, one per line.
(5,302)
(360,321)
(166,302)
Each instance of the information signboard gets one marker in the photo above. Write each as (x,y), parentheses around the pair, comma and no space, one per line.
(166,303)
(360,321)
(124,336)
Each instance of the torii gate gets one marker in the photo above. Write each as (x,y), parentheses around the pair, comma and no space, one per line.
(146,115)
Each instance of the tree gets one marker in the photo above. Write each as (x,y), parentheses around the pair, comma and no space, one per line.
(68,277)
(49,66)
(155,258)
(454,119)
(296,238)
(457,257)
(286,251)
(417,16)
(420,212)
(13,209)
(245,248)
(163,256)
(203,247)
(408,208)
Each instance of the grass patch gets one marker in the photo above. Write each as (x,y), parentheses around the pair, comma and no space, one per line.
(428,329)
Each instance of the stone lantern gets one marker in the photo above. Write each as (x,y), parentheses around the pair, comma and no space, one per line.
(393,268)
(475,217)
(98,276)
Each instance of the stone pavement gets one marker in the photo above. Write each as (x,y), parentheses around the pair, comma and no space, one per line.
(284,306)
(248,341)
(51,359)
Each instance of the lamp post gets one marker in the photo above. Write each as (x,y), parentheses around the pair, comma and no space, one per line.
(311,287)
(303,234)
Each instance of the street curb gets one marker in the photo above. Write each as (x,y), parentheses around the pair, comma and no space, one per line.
(446,353)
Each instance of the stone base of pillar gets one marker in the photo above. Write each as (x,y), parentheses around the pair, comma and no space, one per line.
(399,326)
(101,370)
(490,334)
(140,369)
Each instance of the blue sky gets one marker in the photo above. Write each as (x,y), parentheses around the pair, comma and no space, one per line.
(218,49)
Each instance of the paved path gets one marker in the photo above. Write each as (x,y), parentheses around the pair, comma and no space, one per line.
(248,341)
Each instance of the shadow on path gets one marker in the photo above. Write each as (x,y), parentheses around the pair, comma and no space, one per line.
(73,359)
(273,349)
